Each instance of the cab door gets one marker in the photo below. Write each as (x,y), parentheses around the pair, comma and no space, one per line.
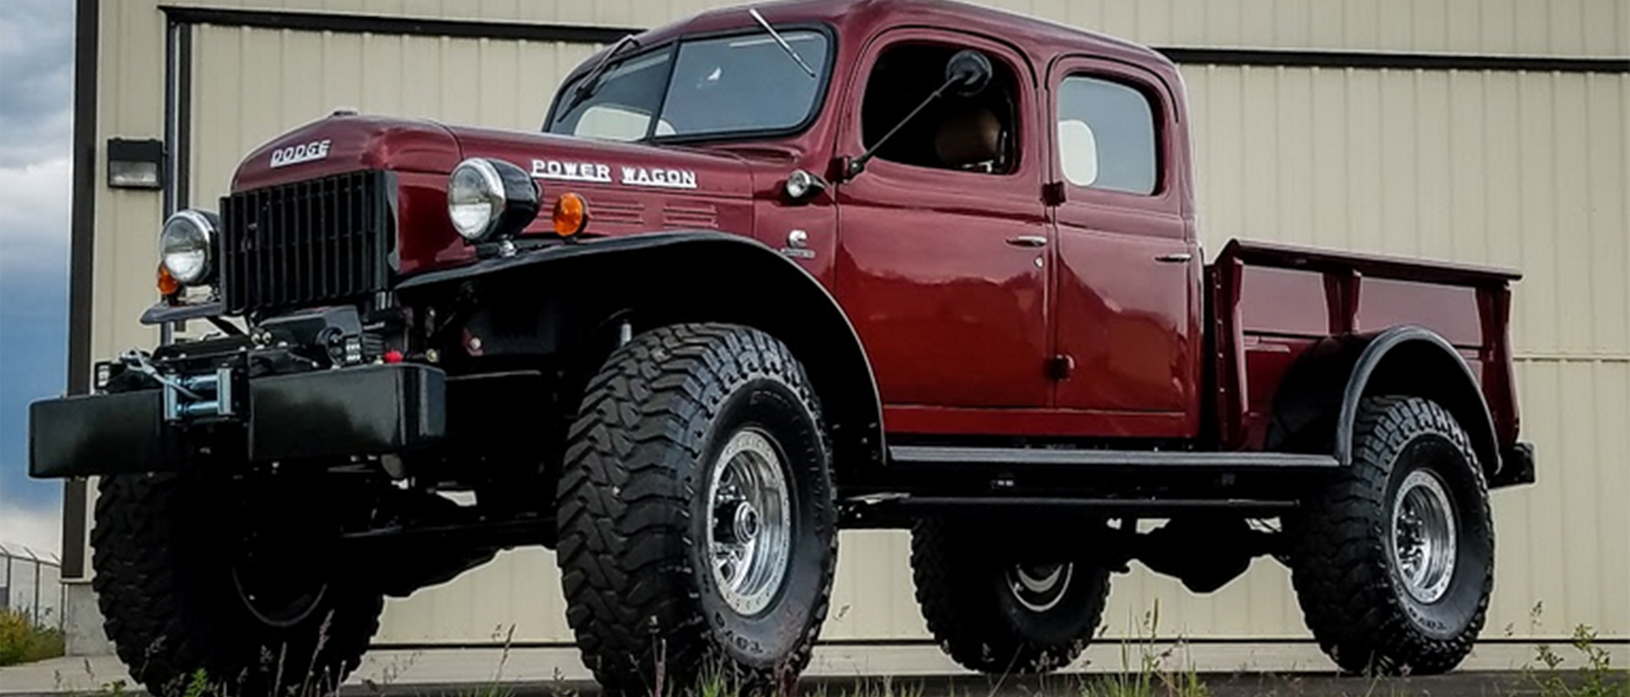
(942,268)
(1126,301)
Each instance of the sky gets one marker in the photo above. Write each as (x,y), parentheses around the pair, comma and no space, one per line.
(36,126)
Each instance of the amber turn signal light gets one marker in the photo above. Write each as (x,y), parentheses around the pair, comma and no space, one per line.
(571,214)
(167,285)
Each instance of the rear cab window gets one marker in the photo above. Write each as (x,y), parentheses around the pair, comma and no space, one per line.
(1107,137)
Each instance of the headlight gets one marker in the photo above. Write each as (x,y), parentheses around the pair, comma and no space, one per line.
(186,246)
(487,198)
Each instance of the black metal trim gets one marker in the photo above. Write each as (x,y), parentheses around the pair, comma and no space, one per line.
(358,23)
(411,26)
(81,260)
(1376,60)
(182,145)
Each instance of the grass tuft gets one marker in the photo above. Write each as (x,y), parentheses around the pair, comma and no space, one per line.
(22,640)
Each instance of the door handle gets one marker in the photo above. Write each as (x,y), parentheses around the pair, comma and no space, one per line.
(1028,241)
(1177,258)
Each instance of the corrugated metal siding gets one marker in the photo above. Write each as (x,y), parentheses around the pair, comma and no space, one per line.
(1529,170)
(1506,27)
(251,84)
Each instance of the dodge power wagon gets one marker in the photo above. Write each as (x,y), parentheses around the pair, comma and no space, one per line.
(766,274)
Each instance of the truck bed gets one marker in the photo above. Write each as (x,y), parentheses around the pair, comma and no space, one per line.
(1269,304)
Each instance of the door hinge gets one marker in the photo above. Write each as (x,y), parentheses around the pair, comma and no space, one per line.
(1060,367)
(1052,193)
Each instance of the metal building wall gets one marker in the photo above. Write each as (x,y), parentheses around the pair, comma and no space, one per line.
(1523,169)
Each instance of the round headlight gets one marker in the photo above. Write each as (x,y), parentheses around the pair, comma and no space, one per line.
(487,197)
(186,246)
(475,197)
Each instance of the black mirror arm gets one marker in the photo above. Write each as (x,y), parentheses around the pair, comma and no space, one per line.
(858,165)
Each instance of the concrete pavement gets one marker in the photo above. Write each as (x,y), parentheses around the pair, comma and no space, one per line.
(1494,669)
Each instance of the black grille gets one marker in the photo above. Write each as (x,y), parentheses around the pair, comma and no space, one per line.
(308,243)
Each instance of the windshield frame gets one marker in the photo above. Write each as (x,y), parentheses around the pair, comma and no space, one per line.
(827,69)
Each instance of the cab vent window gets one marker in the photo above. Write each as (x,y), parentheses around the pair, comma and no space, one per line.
(1106,136)
(972,134)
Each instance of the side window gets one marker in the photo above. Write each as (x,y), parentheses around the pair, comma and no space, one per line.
(973,134)
(1106,136)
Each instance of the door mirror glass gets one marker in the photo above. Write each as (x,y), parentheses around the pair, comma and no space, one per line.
(968,72)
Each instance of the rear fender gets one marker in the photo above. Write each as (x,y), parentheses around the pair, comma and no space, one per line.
(569,300)
(1316,408)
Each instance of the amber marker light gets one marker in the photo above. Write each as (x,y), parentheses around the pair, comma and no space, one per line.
(167,285)
(571,214)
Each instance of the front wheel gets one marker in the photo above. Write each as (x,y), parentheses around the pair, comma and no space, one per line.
(697,523)
(1394,561)
(998,608)
(233,579)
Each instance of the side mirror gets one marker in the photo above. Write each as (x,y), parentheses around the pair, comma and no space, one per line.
(968,72)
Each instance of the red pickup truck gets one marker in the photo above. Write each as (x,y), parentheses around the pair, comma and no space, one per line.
(768,273)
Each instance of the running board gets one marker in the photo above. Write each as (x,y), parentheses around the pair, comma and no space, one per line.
(885,510)
(1167,460)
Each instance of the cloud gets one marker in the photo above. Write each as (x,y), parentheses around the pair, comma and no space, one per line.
(36,79)
(34,213)
(38,528)
(36,127)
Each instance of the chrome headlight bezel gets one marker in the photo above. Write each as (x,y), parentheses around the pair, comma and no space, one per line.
(508,193)
(187,246)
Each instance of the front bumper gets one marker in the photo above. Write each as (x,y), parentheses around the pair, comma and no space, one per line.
(324,414)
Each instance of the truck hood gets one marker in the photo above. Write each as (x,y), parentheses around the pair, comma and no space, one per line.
(563,162)
(347,142)
(630,188)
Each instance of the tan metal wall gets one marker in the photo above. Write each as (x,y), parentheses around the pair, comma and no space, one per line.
(1523,169)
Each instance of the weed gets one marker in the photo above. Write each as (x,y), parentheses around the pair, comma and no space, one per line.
(1594,676)
(22,640)
(1147,676)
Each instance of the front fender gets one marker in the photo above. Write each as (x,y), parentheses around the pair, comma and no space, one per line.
(696,276)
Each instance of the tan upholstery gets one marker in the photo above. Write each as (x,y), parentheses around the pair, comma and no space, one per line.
(968,136)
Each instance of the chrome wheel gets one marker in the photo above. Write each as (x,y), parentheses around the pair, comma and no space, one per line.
(1040,588)
(1423,536)
(749,533)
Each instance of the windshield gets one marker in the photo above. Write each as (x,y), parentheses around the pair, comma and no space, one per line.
(700,88)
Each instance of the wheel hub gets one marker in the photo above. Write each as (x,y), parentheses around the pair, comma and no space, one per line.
(1423,536)
(750,533)
(1040,588)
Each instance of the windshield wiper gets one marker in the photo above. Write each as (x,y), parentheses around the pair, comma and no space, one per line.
(783,42)
(591,81)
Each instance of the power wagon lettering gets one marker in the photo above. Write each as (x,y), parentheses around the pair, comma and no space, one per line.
(571,171)
(660,178)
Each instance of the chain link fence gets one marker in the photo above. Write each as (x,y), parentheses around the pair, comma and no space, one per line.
(31,584)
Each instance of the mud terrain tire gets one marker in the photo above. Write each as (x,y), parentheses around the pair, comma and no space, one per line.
(660,431)
(173,600)
(1369,608)
(972,587)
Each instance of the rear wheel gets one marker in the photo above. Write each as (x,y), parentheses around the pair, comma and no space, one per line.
(697,522)
(1394,562)
(996,606)
(191,576)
